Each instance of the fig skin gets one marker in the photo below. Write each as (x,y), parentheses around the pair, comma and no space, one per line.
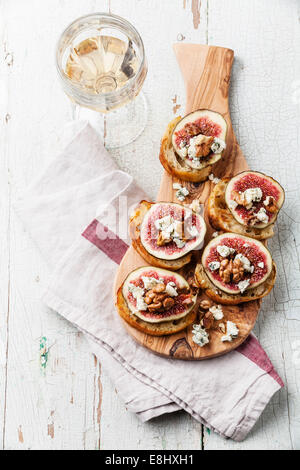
(215,117)
(280,202)
(223,298)
(180,281)
(134,231)
(221,219)
(179,252)
(156,329)
(174,164)
(218,241)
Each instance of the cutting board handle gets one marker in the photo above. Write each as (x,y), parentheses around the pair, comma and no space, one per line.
(206,72)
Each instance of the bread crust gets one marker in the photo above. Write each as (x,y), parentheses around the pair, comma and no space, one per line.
(233,299)
(154,329)
(174,165)
(220,217)
(135,235)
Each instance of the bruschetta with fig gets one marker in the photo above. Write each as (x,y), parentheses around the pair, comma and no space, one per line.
(247,204)
(193,144)
(165,234)
(235,269)
(156,301)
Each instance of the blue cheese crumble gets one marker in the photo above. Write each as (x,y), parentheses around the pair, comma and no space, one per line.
(200,335)
(231,333)
(217,312)
(218,145)
(181,192)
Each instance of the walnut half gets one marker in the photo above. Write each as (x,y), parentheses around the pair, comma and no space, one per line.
(239,198)
(162,239)
(208,320)
(237,270)
(158,300)
(225,270)
(271,206)
(203,146)
(231,269)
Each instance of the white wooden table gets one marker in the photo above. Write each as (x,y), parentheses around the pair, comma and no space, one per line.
(62,399)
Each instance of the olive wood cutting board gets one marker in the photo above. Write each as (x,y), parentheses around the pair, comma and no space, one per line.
(206,72)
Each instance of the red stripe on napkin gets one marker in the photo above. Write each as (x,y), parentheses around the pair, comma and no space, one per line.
(253,351)
(111,245)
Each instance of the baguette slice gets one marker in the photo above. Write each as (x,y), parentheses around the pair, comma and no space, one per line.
(222,219)
(233,299)
(134,231)
(175,165)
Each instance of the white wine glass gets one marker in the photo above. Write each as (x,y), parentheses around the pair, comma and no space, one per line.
(101,63)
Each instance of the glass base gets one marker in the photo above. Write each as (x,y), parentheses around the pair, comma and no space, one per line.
(121,126)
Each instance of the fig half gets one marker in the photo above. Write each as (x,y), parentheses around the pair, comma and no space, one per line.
(199,123)
(259,265)
(263,209)
(136,281)
(191,234)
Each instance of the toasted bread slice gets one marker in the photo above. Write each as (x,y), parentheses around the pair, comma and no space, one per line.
(134,231)
(175,165)
(233,299)
(221,218)
(155,329)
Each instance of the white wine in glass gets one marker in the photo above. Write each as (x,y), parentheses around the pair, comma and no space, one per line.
(102,66)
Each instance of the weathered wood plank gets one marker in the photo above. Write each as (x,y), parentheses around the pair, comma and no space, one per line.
(70,403)
(60,402)
(52,393)
(5,61)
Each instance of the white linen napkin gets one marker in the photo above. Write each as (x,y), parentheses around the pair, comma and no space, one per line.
(73,212)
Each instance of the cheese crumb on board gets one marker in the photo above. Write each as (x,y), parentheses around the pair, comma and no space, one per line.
(232,331)
(214,179)
(181,192)
(217,312)
(200,335)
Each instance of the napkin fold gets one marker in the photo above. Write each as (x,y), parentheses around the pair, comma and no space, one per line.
(77,212)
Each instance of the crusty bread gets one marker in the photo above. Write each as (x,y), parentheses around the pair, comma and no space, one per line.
(175,165)
(134,230)
(155,329)
(233,299)
(221,218)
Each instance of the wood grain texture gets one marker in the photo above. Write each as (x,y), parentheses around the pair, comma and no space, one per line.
(206,72)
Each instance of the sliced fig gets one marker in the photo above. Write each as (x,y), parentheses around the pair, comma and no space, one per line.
(254,199)
(183,299)
(170,219)
(256,260)
(195,129)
